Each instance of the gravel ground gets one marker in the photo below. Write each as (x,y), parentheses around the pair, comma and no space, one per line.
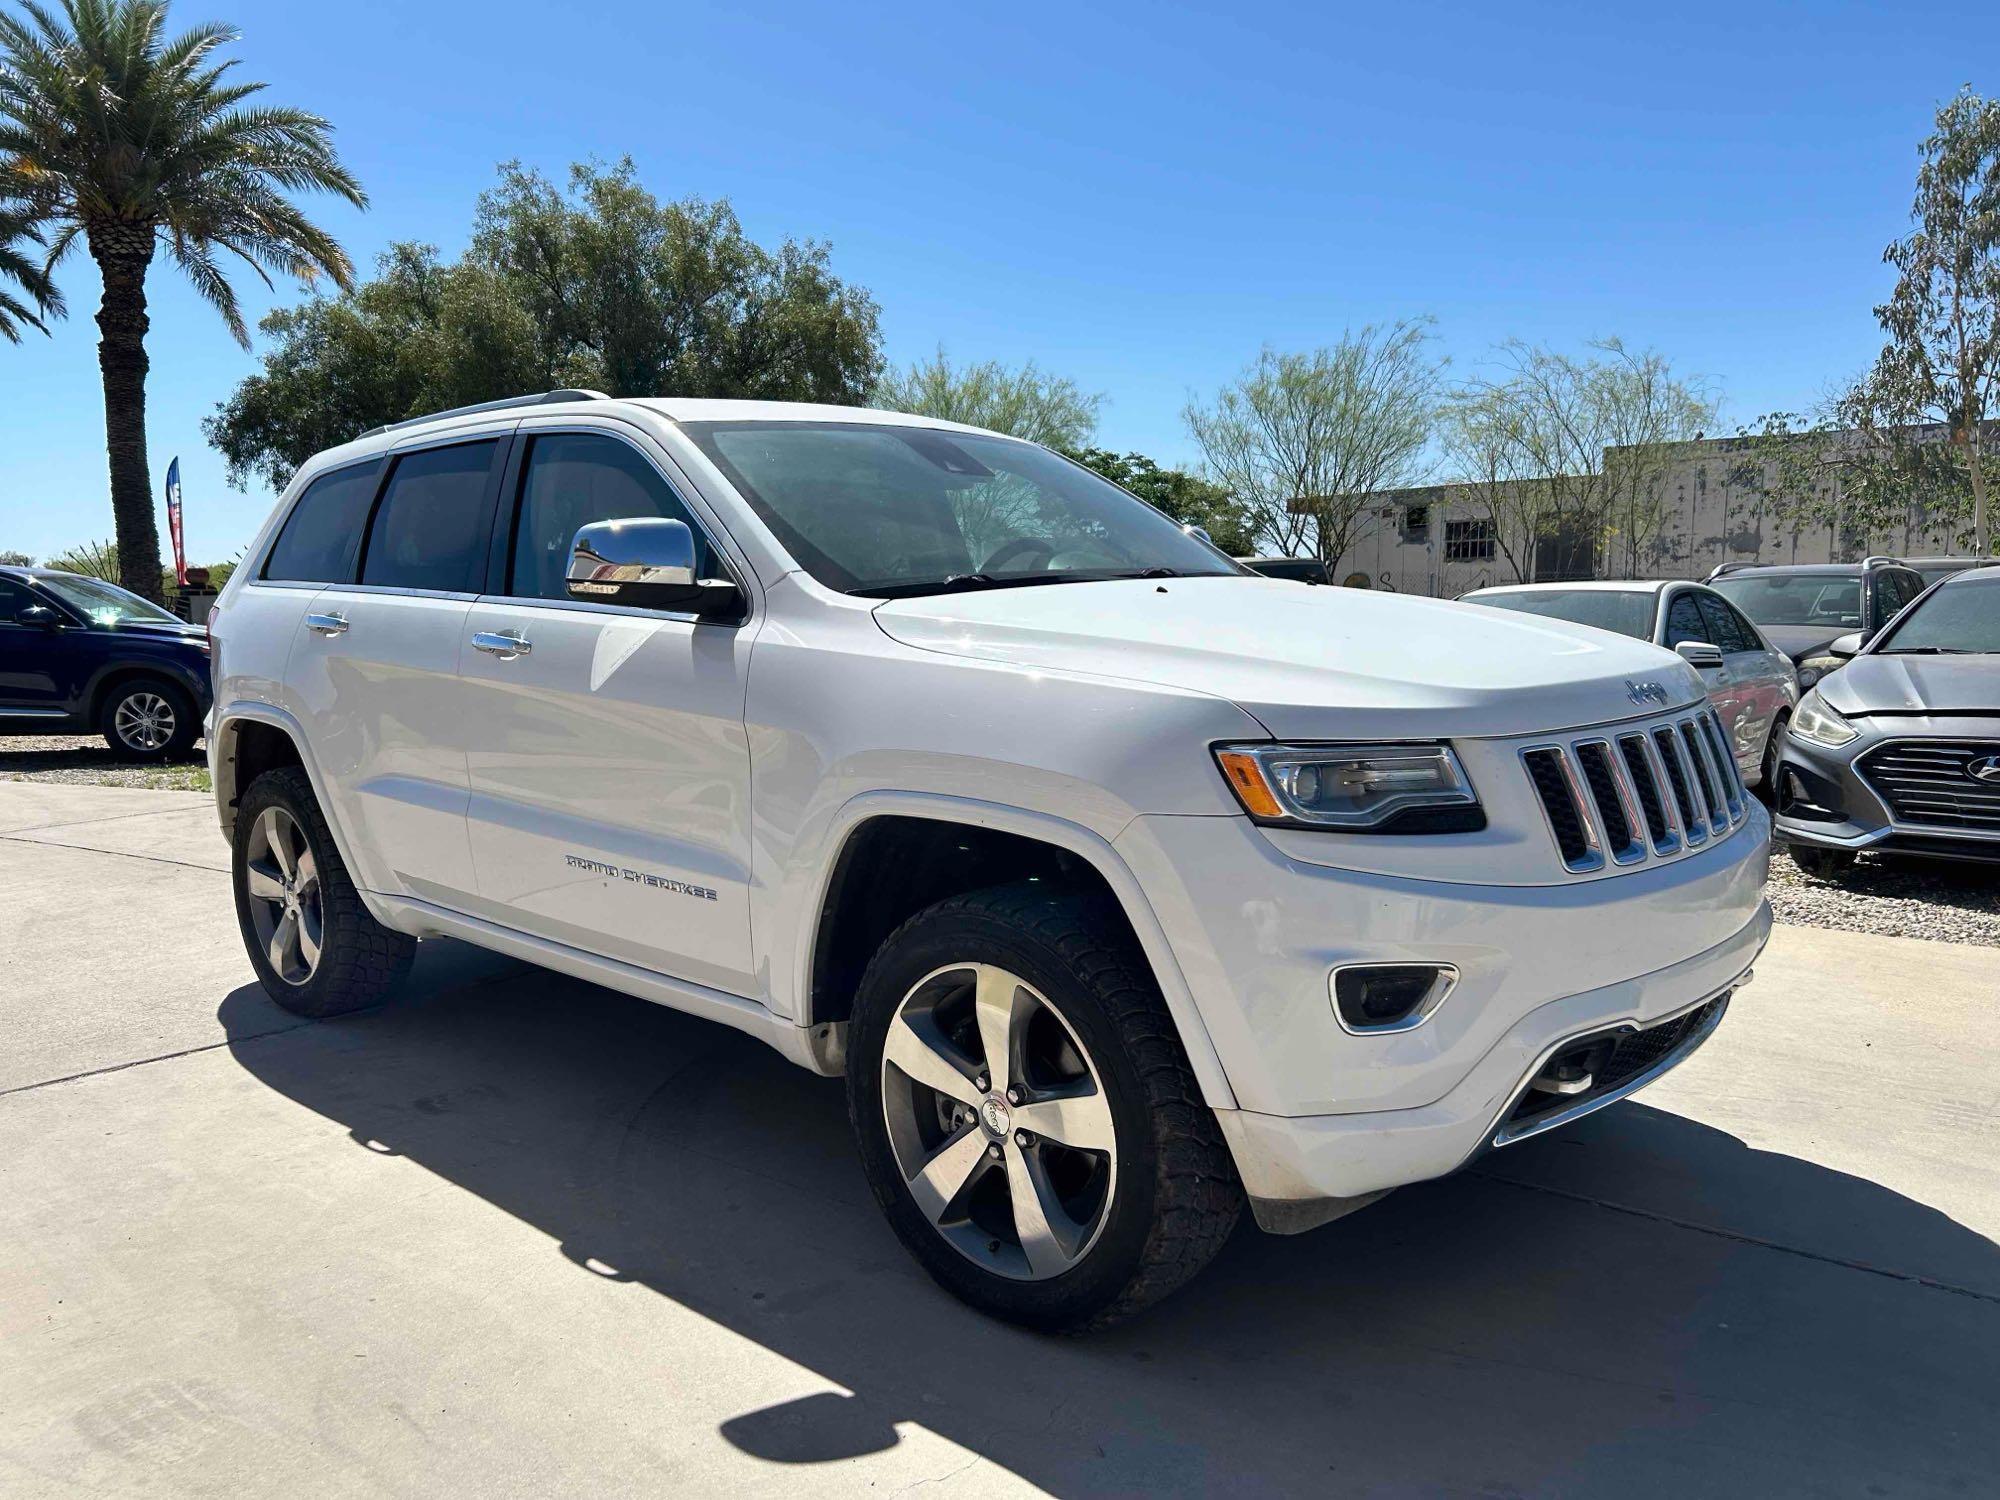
(1897,898)
(1935,899)
(84,761)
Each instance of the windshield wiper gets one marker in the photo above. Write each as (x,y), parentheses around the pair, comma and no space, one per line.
(963,583)
(1928,651)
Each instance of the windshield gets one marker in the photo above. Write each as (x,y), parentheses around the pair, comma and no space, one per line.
(103,603)
(887,511)
(1829,599)
(1958,617)
(1624,611)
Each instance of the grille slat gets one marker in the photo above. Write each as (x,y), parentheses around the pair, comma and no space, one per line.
(1654,790)
(1928,784)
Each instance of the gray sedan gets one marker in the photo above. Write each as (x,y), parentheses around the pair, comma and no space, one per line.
(1752,684)
(1900,750)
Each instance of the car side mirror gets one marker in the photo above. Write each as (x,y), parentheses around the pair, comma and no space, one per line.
(1699,654)
(1846,646)
(648,562)
(40,616)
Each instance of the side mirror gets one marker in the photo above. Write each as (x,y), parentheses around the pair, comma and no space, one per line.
(1846,647)
(40,616)
(1700,655)
(647,561)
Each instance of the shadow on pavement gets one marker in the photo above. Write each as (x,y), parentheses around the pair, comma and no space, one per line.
(1498,1333)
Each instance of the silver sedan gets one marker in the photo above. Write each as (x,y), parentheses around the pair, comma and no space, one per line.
(1752,684)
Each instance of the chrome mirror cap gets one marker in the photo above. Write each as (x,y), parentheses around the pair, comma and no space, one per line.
(637,561)
(1699,654)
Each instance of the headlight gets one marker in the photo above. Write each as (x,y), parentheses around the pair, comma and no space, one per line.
(1815,667)
(1817,724)
(1356,788)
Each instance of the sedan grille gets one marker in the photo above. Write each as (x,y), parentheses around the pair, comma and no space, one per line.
(1925,782)
(1648,792)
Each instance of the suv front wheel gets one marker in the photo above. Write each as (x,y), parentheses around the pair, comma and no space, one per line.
(1026,1116)
(148,719)
(316,950)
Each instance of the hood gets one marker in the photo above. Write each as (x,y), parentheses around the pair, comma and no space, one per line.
(1800,641)
(1310,662)
(1891,684)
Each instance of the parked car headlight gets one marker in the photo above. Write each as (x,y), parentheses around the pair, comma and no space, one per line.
(1813,668)
(1818,724)
(1355,788)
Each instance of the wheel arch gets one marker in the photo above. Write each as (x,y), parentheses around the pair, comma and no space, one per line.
(252,738)
(914,836)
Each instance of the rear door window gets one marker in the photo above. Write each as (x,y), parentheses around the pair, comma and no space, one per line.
(318,541)
(431,530)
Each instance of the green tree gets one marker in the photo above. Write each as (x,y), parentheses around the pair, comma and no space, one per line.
(132,141)
(23,269)
(1188,498)
(1026,403)
(1942,359)
(598,285)
(1304,441)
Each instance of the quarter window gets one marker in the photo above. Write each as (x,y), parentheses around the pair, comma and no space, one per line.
(317,542)
(431,528)
(572,479)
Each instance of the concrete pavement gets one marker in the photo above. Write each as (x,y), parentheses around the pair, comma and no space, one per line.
(514,1235)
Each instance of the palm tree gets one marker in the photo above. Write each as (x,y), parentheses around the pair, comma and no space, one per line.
(116,134)
(24,271)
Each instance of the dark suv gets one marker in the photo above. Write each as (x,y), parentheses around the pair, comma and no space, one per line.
(1804,607)
(78,654)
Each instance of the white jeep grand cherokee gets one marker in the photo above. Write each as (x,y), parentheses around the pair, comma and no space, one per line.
(1122,885)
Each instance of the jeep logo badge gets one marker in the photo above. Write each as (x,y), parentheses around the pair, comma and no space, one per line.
(1643,693)
(1986,768)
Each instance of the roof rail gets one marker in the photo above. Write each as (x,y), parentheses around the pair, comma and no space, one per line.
(1880,560)
(1721,568)
(541,398)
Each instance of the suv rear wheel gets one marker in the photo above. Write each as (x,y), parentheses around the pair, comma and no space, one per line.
(148,718)
(316,950)
(1026,1116)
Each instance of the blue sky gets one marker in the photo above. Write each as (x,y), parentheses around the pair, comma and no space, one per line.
(1138,196)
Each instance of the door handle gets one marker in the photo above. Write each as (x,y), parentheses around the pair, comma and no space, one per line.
(505,644)
(327,624)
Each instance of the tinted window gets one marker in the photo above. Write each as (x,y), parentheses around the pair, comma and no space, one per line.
(431,527)
(1684,621)
(572,479)
(1626,611)
(317,543)
(13,599)
(1908,586)
(1724,630)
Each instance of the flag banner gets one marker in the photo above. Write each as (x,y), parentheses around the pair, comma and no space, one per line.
(174,522)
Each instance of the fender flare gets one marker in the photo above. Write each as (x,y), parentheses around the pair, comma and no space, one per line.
(1043,828)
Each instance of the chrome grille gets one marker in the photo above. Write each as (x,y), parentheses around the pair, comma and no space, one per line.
(1925,782)
(1648,792)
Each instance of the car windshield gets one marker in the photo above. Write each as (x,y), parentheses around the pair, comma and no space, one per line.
(1624,610)
(103,603)
(888,511)
(1830,599)
(1958,618)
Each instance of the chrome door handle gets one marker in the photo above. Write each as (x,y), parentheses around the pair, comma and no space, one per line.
(327,624)
(505,644)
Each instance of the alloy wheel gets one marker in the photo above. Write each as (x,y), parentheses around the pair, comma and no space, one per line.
(999,1121)
(145,722)
(283,885)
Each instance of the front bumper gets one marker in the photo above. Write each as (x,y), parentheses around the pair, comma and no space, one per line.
(1825,800)
(1300,1172)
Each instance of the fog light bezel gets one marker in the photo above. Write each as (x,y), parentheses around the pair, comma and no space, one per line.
(1444,981)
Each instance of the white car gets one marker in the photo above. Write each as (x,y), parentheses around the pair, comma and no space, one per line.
(1122,886)
(1753,685)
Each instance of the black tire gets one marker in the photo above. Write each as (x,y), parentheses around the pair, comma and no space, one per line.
(133,704)
(1774,743)
(1177,1197)
(360,962)
(1821,864)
